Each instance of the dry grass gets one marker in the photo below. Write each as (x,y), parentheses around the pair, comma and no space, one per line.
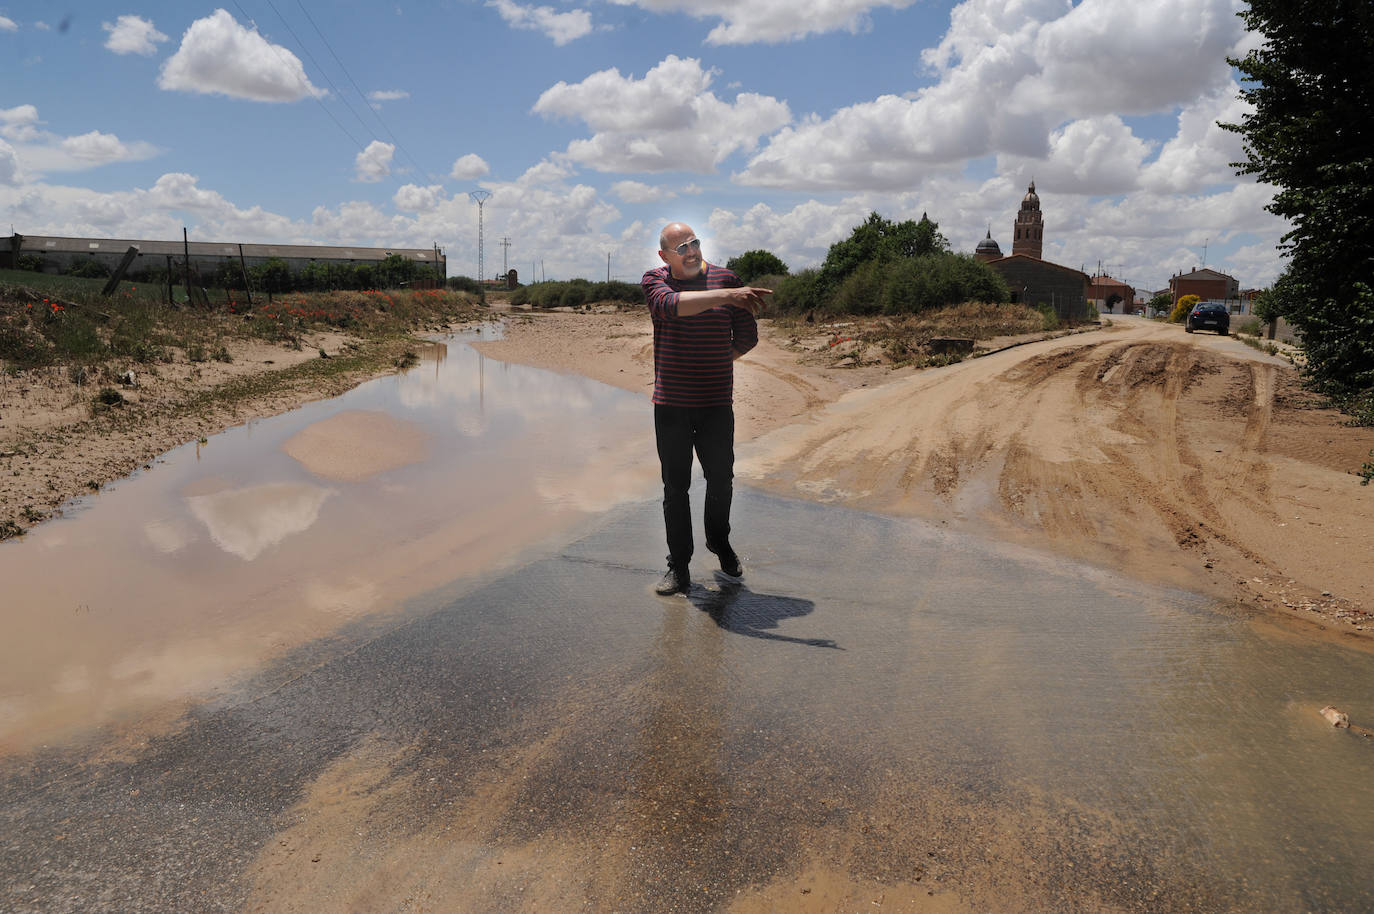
(906,341)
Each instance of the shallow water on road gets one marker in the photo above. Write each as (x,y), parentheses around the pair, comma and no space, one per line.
(884,710)
(169,584)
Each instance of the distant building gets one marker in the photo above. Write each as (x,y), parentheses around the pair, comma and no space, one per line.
(1034,281)
(1108,294)
(1208,285)
(1028,232)
(58,254)
(1038,283)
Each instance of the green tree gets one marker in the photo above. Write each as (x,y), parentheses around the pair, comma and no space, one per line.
(272,276)
(750,265)
(1310,135)
(1160,303)
(395,271)
(880,239)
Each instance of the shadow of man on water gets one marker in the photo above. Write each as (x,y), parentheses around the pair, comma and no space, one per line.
(738,610)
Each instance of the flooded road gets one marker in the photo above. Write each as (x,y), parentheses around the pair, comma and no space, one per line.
(172,583)
(887,716)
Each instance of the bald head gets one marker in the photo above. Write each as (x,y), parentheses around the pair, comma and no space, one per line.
(687,262)
(673,234)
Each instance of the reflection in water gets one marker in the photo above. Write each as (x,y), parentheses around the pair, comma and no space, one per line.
(451,468)
(356,444)
(245,522)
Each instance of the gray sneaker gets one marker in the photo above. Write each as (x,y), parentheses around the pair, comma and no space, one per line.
(675,581)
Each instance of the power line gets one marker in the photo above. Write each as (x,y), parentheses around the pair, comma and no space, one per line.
(375,113)
(278,51)
(321,70)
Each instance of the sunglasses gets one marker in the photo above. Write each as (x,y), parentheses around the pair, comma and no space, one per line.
(693,245)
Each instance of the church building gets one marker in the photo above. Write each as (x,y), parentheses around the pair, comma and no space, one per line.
(1033,280)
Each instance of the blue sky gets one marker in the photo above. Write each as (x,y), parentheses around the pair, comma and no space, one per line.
(775,124)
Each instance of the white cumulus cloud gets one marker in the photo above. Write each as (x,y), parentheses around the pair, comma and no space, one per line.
(469,168)
(9,165)
(667,121)
(1011,79)
(133,35)
(771,21)
(412,198)
(638,192)
(19,123)
(561,27)
(219,56)
(373,164)
(38,151)
(8,25)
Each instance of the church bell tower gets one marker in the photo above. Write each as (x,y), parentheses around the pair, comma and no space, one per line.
(1029,230)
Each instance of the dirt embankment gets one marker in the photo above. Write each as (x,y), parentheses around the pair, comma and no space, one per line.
(56,444)
(1183,459)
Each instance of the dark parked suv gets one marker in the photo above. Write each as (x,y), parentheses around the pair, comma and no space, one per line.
(1209,316)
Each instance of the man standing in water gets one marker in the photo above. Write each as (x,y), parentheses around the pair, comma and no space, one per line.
(704,319)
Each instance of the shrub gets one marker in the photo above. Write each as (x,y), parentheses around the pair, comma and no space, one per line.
(466,284)
(89,269)
(574,295)
(31,262)
(1182,307)
(799,293)
(750,265)
(861,292)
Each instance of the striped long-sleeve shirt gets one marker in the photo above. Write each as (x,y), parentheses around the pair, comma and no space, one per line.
(694,355)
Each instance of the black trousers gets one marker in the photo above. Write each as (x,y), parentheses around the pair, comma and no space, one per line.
(710,432)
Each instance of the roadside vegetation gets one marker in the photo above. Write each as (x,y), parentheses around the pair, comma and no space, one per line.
(1307,131)
(64,322)
(576,293)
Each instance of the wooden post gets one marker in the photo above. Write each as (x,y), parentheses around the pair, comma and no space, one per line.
(186,263)
(118,274)
(247,287)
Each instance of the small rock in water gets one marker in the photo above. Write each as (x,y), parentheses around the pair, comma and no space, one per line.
(1336,716)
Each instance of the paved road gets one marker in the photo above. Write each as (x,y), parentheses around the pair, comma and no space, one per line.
(885,713)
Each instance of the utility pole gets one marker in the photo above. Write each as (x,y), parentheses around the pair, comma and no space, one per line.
(481,196)
(608,266)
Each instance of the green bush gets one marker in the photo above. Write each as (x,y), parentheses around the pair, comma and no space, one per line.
(861,292)
(465,284)
(89,269)
(574,295)
(750,265)
(31,262)
(799,293)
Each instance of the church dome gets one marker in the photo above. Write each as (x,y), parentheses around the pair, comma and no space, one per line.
(988,246)
(1030,200)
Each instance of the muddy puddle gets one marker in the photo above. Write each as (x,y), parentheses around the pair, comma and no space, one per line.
(886,716)
(171,584)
